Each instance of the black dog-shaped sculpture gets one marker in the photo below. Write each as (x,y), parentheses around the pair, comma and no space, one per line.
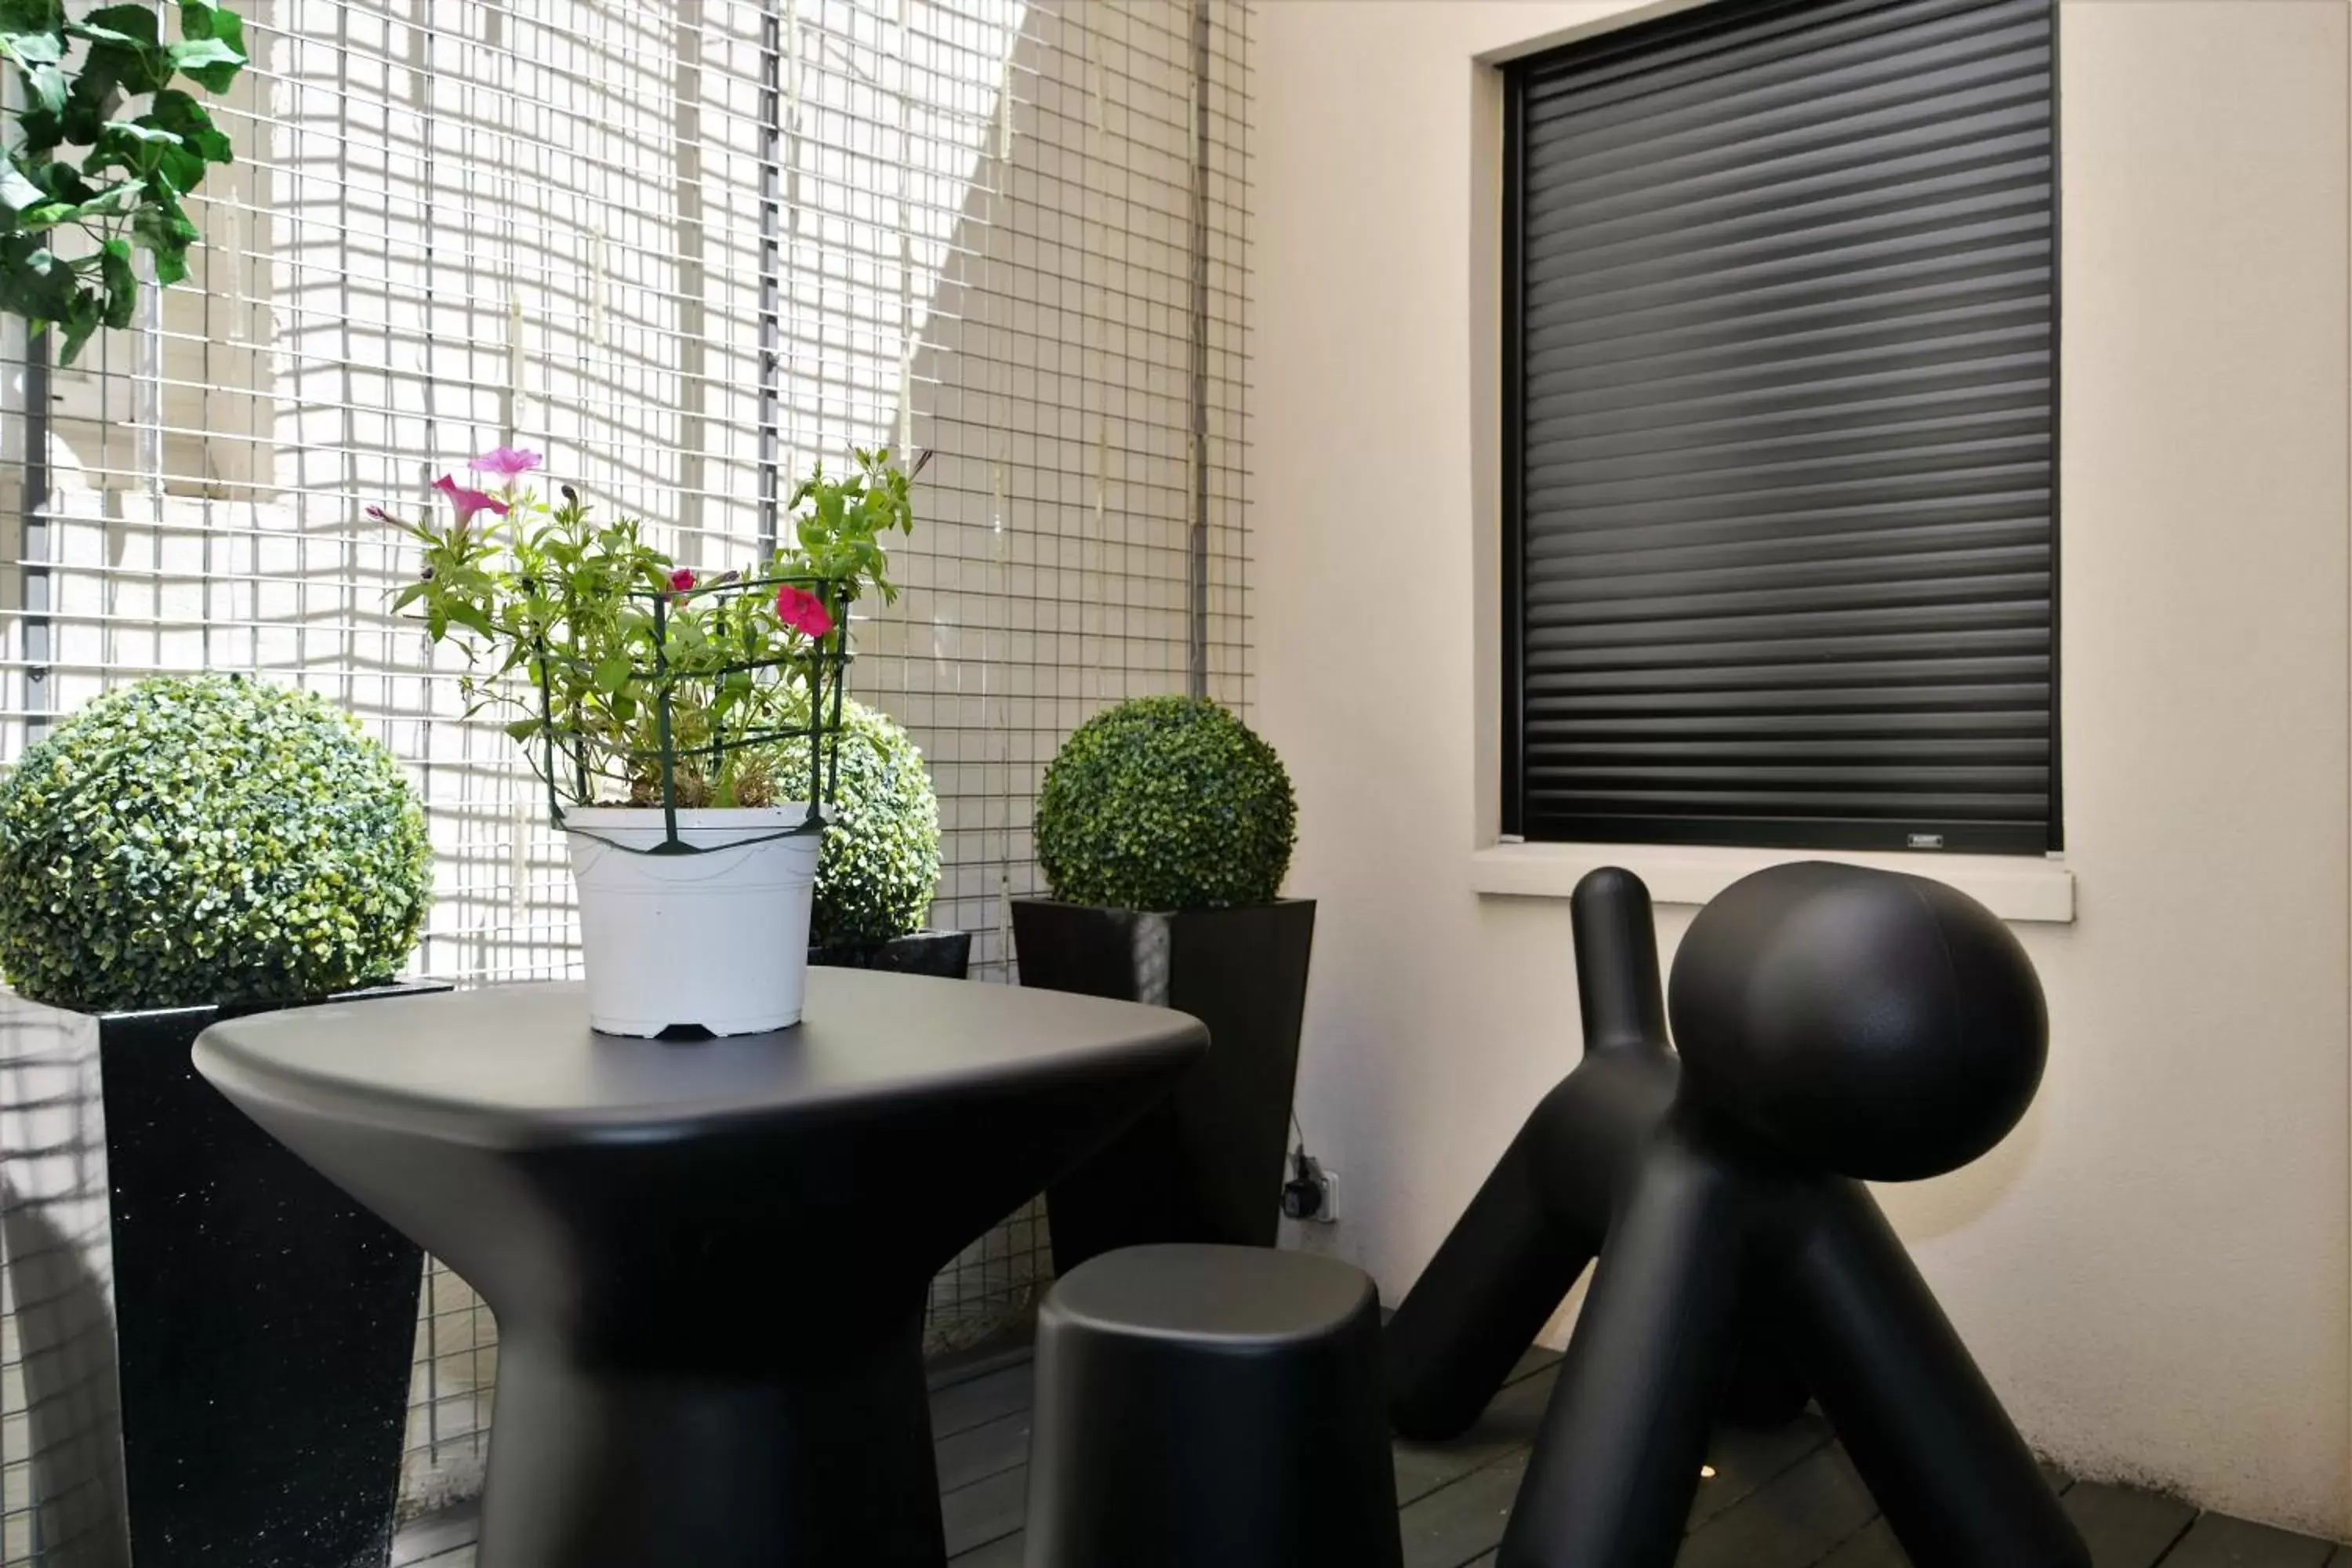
(1835,1024)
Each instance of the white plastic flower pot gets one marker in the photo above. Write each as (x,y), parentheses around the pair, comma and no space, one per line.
(717,939)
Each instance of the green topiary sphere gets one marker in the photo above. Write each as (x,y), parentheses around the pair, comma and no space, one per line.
(207,838)
(1166,802)
(880,864)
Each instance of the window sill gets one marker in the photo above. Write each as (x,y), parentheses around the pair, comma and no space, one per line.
(2015,887)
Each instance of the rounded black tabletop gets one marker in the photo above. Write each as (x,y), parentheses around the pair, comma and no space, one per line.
(515,1066)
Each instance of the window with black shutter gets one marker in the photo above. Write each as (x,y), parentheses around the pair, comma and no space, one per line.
(1780,429)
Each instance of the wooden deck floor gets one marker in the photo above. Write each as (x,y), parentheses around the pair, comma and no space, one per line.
(1787,1499)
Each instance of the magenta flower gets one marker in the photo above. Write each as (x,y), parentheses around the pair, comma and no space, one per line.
(507,462)
(802,611)
(378,514)
(682,581)
(468,502)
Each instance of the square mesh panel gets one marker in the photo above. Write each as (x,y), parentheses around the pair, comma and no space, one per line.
(689,248)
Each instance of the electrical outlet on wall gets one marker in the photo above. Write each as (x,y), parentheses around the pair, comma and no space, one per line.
(1327,1211)
(1312,1193)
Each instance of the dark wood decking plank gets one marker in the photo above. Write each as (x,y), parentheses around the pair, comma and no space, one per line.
(1871,1546)
(2218,1541)
(960,1406)
(2126,1529)
(985,1511)
(1534,1360)
(979,1452)
(1460,1522)
(1791,1523)
(1509,1424)
(1004,1552)
(1746,1460)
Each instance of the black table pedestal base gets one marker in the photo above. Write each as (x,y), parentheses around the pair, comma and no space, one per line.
(827,1462)
(708,1261)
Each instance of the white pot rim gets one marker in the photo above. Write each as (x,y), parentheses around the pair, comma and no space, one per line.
(792,814)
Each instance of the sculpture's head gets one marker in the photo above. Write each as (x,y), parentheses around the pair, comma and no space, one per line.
(1881,1025)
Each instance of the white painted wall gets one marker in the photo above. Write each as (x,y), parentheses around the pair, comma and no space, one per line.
(2153,1271)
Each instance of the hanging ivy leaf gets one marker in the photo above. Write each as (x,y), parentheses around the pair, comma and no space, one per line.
(67,237)
(207,61)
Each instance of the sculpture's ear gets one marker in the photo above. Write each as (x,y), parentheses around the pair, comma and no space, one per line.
(1617,962)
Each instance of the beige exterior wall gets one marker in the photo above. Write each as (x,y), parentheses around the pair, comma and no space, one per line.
(2153,1269)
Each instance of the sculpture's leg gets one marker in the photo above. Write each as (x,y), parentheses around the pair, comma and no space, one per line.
(1610,1483)
(1955,1480)
(1497,1280)
(1535,1223)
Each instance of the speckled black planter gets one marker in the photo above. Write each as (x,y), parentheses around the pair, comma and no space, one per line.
(945,954)
(1205,1164)
(265,1325)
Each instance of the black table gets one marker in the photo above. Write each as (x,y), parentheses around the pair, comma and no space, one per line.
(708,1261)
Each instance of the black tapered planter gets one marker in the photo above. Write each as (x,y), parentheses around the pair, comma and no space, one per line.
(264,1324)
(1205,1164)
(942,954)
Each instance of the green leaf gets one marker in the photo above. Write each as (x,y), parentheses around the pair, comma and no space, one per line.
(46,86)
(112,201)
(180,115)
(31,47)
(42,131)
(17,194)
(110,71)
(32,15)
(80,321)
(122,284)
(469,616)
(199,19)
(39,287)
(523,729)
(130,138)
(62,182)
(181,167)
(132,26)
(613,674)
(208,61)
(162,228)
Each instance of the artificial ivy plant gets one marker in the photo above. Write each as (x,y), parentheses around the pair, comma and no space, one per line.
(207,839)
(103,150)
(880,864)
(1166,802)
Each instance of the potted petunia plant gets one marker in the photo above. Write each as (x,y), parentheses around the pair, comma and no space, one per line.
(682,720)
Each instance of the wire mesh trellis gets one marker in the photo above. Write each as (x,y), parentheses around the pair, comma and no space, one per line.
(686,247)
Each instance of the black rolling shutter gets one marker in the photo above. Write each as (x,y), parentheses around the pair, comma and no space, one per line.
(1780,414)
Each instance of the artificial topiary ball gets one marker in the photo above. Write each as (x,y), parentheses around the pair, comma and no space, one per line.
(880,863)
(198,840)
(1166,802)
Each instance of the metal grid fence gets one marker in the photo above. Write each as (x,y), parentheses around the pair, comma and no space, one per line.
(689,248)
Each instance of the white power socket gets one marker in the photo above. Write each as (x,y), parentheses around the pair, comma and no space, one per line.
(1327,1211)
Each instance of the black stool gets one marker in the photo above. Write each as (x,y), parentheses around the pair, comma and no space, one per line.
(1211,1407)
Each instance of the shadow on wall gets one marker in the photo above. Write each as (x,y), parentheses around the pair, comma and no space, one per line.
(65,1355)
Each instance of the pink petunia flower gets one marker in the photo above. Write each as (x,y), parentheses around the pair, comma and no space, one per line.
(468,502)
(682,581)
(802,611)
(507,462)
(378,514)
